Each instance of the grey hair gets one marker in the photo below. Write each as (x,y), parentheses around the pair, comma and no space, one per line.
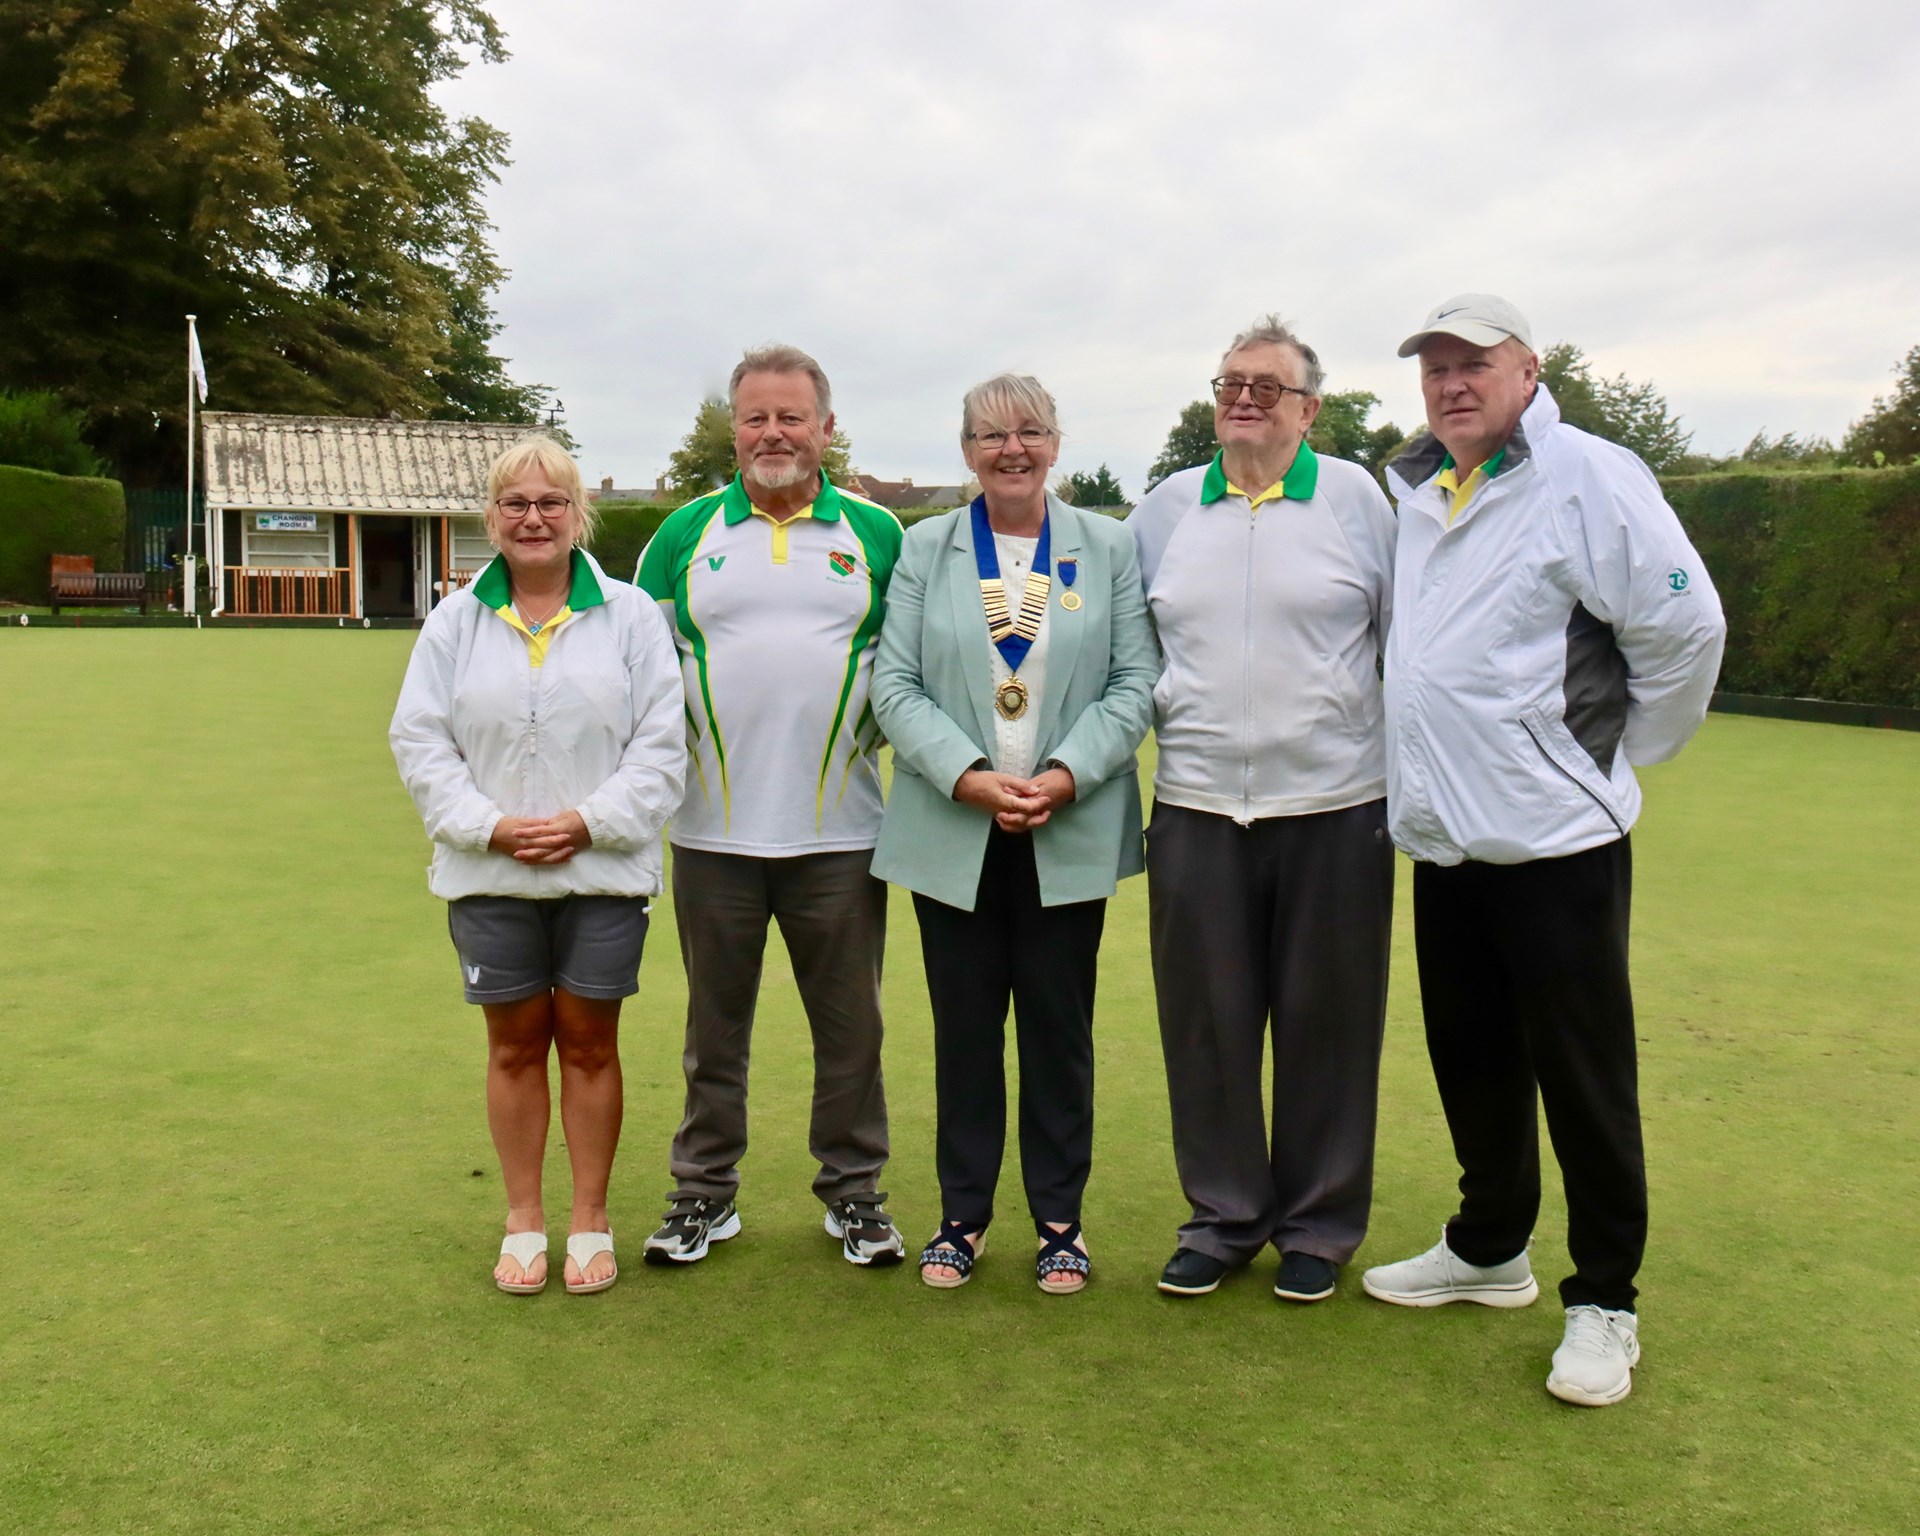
(778,358)
(1272,331)
(1005,396)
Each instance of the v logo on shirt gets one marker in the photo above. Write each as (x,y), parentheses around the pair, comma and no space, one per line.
(714,562)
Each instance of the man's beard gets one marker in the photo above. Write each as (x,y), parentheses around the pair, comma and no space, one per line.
(777,471)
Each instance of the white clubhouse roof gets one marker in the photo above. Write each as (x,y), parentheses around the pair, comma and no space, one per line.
(348,463)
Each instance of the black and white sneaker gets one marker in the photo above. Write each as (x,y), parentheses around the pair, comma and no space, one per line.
(866,1232)
(691,1223)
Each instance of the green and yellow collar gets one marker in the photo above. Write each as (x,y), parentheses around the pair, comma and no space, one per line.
(494,589)
(1298,485)
(737,506)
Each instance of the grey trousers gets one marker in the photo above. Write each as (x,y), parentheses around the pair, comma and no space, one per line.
(833,916)
(1284,924)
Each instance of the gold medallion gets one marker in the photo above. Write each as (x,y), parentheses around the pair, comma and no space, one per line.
(1010,698)
(1070,601)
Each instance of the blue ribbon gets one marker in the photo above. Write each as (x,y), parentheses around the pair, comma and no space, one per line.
(1013,650)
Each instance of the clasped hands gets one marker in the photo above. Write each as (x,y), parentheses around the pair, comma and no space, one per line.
(1018,805)
(540,839)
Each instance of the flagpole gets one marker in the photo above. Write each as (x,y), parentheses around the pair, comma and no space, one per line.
(187,593)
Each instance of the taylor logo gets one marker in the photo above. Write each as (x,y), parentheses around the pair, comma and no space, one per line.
(1677,580)
(714,562)
(843,563)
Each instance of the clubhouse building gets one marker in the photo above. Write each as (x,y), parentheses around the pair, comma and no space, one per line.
(339,517)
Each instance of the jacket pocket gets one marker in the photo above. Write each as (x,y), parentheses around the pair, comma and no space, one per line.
(1571,760)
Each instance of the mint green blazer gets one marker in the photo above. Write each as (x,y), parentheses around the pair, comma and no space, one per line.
(933,697)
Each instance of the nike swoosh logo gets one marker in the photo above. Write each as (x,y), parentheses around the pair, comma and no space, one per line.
(1445,312)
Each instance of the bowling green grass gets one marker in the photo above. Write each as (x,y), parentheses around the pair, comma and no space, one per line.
(251,1206)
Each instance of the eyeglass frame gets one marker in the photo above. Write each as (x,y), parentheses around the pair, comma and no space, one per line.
(566,504)
(1251,388)
(1041,435)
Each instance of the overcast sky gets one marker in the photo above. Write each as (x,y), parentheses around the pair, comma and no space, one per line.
(1719,197)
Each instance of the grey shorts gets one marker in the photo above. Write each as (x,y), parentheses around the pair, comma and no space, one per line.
(512,947)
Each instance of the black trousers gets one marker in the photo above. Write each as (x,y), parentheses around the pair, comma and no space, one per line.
(1277,930)
(1044,959)
(1523,977)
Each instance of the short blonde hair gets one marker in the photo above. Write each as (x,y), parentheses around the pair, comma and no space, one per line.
(1006,397)
(539,453)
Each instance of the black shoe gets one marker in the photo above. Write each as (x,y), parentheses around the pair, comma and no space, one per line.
(1191,1273)
(1305,1277)
(692,1223)
(866,1232)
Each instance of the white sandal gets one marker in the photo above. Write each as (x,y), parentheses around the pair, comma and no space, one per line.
(523,1248)
(583,1248)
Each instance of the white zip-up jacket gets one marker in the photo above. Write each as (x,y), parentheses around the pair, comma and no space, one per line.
(1562,629)
(599,728)
(1271,621)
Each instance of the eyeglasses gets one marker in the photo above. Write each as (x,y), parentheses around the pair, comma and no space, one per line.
(994,439)
(1265,392)
(513,508)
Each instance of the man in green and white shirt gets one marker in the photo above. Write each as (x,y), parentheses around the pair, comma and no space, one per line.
(775,588)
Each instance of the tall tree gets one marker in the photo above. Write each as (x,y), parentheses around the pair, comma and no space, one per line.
(1101,488)
(1191,442)
(704,460)
(1633,415)
(38,432)
(1890,432)
(1341,430)
(277,167)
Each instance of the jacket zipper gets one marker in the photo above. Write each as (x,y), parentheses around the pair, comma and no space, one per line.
(1245,818)
(1584,788)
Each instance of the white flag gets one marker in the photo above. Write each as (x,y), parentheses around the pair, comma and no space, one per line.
(196,364)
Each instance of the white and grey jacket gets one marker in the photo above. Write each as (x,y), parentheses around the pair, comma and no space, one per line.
(600,728)
(1271,623)
(1562,629)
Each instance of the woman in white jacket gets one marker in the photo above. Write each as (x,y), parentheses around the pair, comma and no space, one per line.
(540,732)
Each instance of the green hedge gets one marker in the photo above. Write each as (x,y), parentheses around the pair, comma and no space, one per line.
(625,527)
(43,514)
(1820,576)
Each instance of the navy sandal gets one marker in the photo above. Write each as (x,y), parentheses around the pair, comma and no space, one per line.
(951,1249)
(1059,1256)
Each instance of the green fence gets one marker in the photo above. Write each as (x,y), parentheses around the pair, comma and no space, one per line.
(157,527)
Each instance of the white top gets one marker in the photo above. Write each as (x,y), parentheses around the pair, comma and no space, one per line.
(1561,629)
(480,732)
(1271,620)
(1016,742)
(776,627)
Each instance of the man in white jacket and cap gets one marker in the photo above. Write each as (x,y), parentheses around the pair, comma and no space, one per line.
(1552,627)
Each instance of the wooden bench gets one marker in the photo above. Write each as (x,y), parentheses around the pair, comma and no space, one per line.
(72,581)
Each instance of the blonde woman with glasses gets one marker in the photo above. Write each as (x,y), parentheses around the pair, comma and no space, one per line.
(540,733)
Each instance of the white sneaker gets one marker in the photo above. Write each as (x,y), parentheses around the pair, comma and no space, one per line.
(1440,1275)
(1594,1364)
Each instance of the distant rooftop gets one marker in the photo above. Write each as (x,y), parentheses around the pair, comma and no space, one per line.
(350,463)
(903,494)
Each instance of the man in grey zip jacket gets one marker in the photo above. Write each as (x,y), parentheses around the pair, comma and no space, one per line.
(1269,872)
(1552,626)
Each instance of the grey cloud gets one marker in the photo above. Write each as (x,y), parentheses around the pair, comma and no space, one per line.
(1709,196)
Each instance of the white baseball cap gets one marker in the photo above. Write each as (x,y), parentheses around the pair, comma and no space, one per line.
(1484,319)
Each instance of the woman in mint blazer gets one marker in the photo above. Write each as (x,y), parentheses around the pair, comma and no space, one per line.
(1014,679)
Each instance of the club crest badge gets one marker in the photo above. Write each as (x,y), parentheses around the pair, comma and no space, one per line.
(843,563)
